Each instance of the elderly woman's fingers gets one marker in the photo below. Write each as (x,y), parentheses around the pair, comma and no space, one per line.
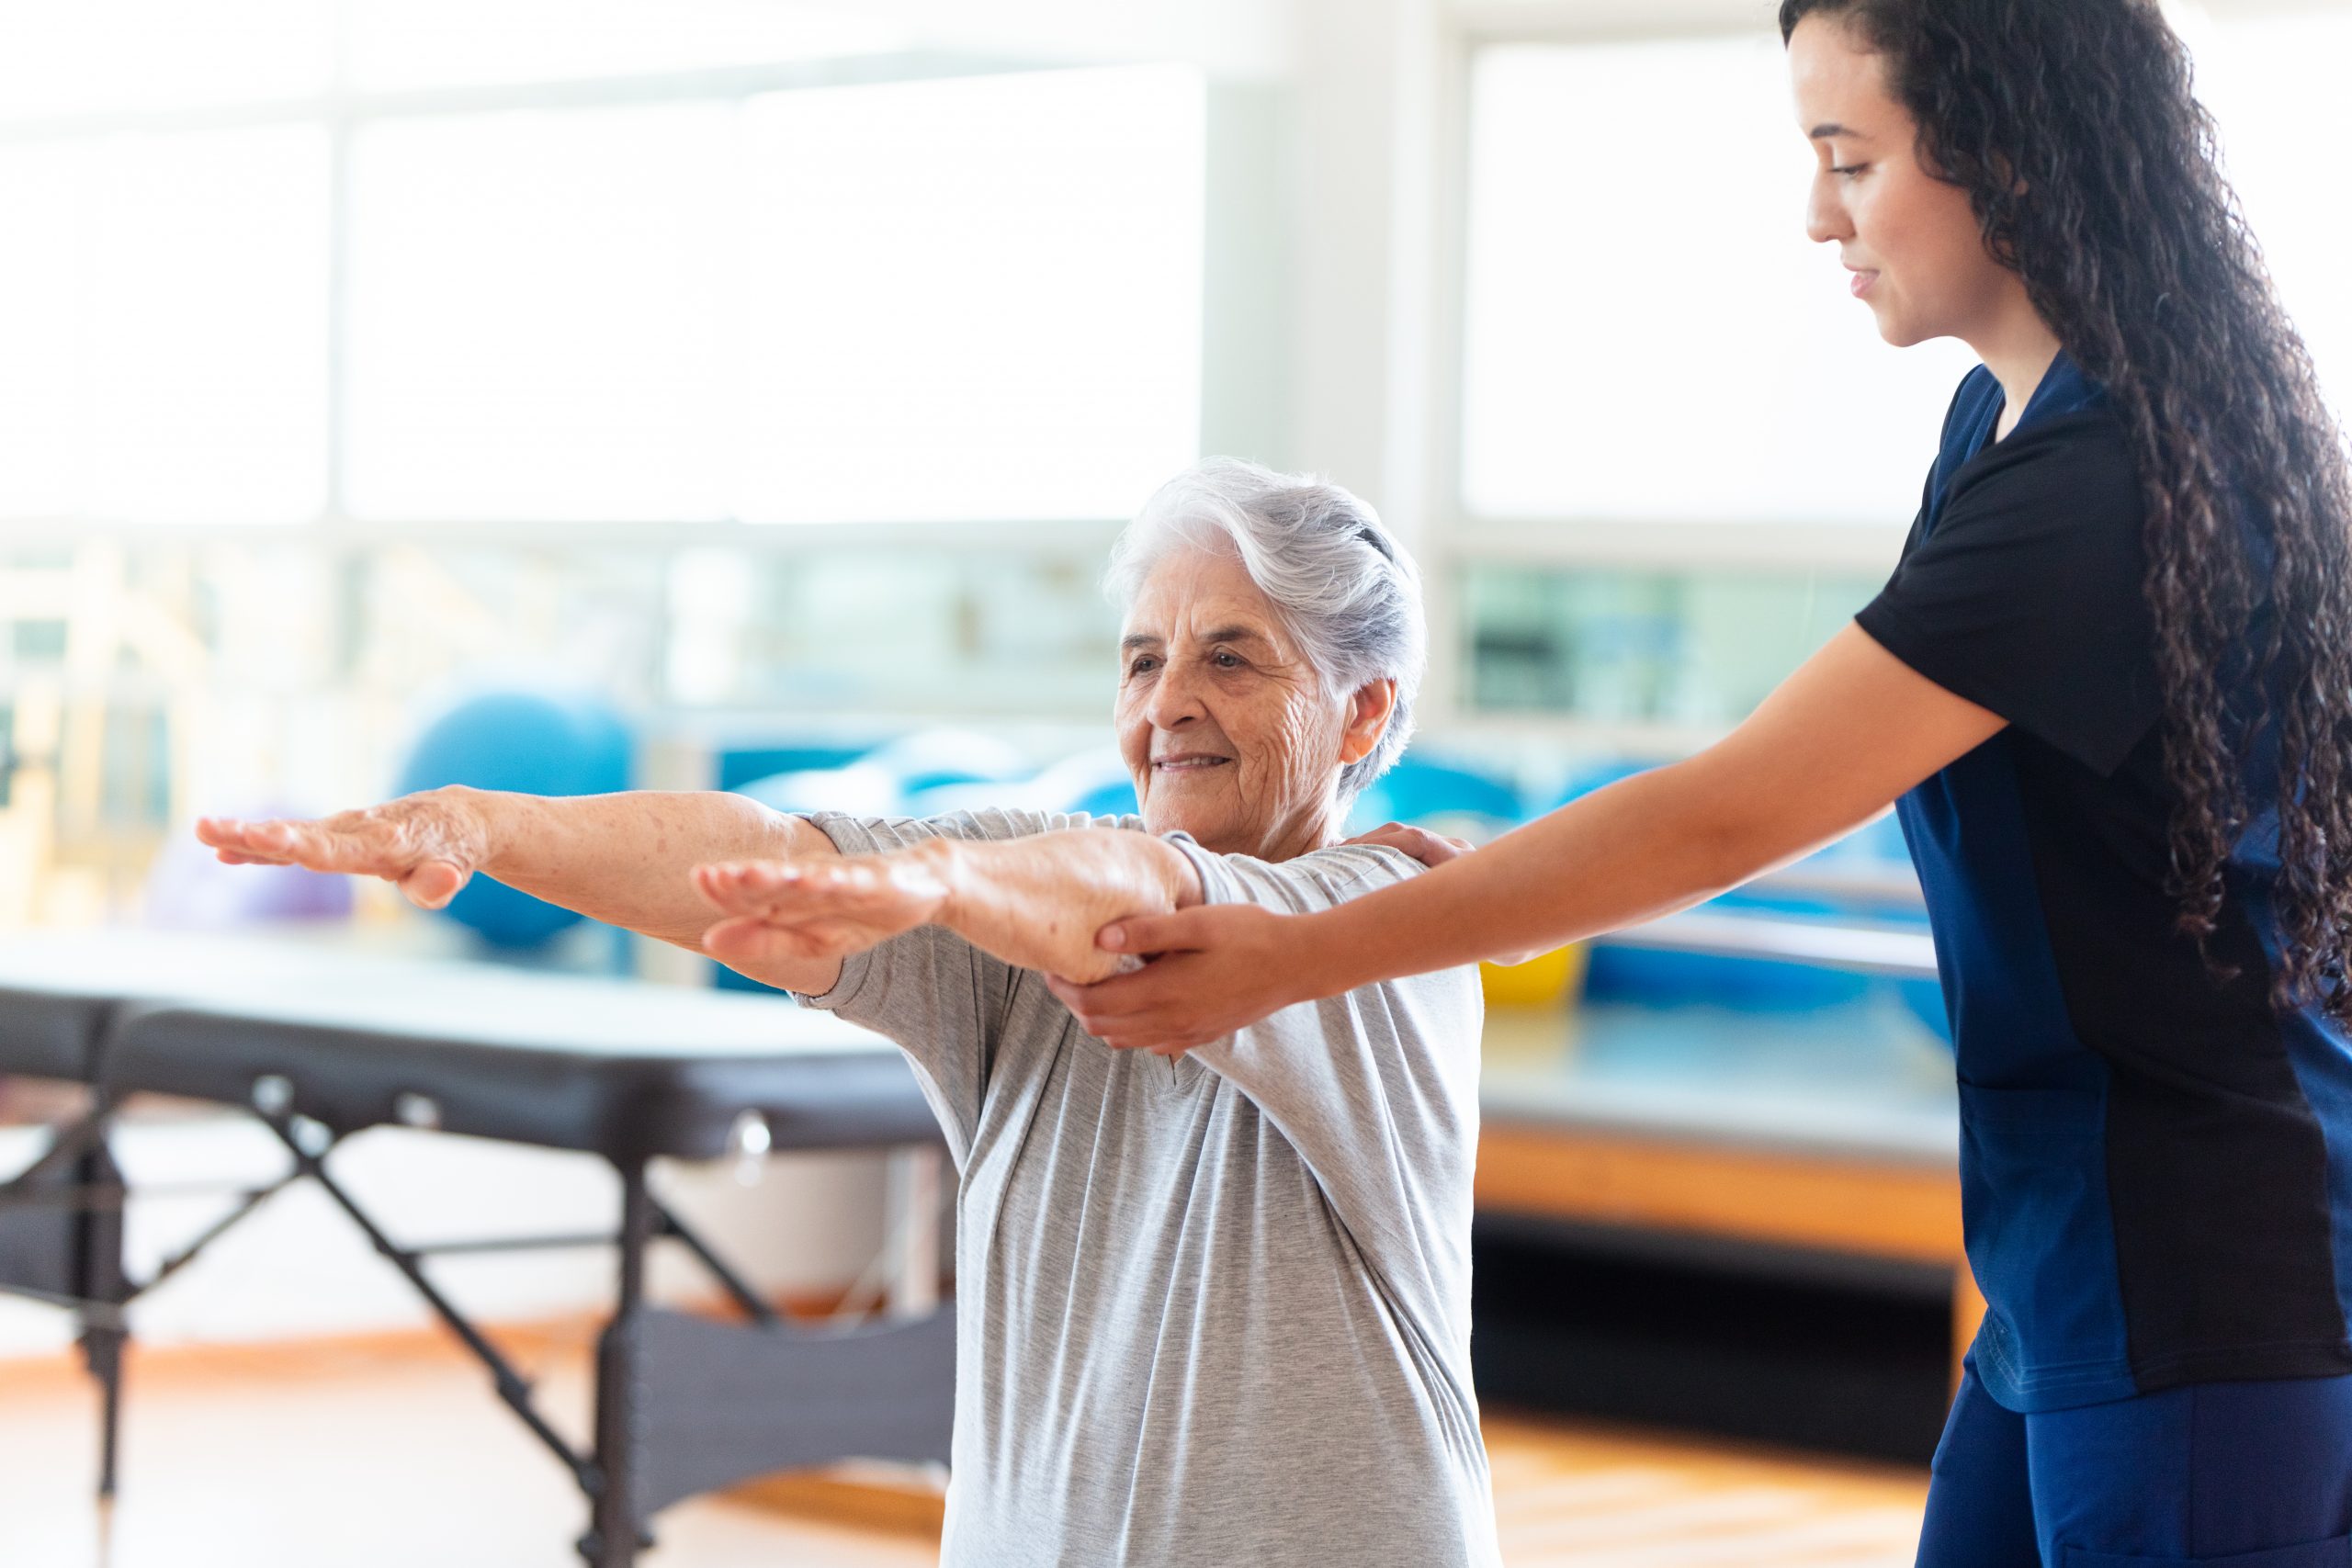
(751,937)
(746,887)
(787,890)
(747,939)
(434,883)
(241,842)
(336,844)
(855,901)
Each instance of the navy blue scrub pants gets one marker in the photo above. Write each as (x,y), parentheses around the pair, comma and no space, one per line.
(2244,1474)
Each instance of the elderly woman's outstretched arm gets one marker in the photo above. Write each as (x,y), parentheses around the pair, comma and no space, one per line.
(623,859)
(1033,902)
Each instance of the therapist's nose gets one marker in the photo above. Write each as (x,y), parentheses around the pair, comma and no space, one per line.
(1825,219)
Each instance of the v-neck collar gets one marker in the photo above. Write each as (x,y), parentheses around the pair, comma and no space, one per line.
(2064,388)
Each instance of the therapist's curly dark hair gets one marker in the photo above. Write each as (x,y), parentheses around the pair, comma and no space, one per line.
(2095,171)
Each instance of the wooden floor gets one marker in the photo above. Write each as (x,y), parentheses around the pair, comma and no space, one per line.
(395,1453)
(1600,1497)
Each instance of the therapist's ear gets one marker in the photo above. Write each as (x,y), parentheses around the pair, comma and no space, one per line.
(1369,711)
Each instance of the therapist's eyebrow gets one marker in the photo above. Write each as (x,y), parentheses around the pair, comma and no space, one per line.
(1830,128)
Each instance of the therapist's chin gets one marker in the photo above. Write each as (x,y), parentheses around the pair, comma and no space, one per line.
(1900,330)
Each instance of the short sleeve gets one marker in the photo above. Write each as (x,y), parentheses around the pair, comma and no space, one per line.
(943,1000)
(2027,595)
(1377,1089)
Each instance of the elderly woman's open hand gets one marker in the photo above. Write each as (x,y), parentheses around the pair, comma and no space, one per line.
(428,844)
(1220,966)
(816,908)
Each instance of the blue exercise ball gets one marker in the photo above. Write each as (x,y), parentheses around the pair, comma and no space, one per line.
(531,743)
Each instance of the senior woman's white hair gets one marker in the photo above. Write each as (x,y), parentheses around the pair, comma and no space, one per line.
(1347,590)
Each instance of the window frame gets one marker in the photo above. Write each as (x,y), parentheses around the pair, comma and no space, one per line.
(1569,538)
(1454,531)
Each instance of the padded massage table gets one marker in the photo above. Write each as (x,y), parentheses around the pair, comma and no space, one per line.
(321,1043)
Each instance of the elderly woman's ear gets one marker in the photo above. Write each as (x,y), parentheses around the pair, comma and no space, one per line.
(1369,711)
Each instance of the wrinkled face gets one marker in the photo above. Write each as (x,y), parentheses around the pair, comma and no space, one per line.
(1911,241)
(1227,728)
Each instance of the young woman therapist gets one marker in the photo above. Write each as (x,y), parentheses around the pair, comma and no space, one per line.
(2109,690)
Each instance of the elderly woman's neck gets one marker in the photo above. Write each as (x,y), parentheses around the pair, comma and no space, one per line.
(1317,828)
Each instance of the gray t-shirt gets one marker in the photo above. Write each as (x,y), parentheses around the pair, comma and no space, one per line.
(1211,1311)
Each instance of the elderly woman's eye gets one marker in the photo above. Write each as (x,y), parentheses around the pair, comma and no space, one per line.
(1142,666)
(1225,661)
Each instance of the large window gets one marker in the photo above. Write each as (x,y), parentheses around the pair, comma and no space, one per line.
(972,299)
(162,326)
(271,264)
(541,311)
(1649,333)
(1650,337)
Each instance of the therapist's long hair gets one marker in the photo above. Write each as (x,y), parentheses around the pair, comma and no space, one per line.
(2094,171)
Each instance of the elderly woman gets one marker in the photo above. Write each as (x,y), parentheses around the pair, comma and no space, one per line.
(1212,1309)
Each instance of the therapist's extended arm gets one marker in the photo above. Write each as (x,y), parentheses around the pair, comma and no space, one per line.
(1831,749)
(1033,902)
(623,859)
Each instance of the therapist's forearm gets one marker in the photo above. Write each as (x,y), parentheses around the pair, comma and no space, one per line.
(1644,847)
(624,859)
(1831,749)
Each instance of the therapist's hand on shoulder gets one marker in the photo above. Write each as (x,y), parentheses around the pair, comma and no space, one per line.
(1430,849)
(428,844)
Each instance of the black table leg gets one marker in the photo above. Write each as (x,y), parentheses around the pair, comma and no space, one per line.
(617,1533)
(104,1283)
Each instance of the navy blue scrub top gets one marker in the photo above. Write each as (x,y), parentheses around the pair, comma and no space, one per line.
(2155,1167)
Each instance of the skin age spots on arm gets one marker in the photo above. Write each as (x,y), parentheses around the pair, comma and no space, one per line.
(1033,902)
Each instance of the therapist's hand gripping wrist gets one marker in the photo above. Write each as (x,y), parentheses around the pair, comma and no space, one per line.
(1218,967)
